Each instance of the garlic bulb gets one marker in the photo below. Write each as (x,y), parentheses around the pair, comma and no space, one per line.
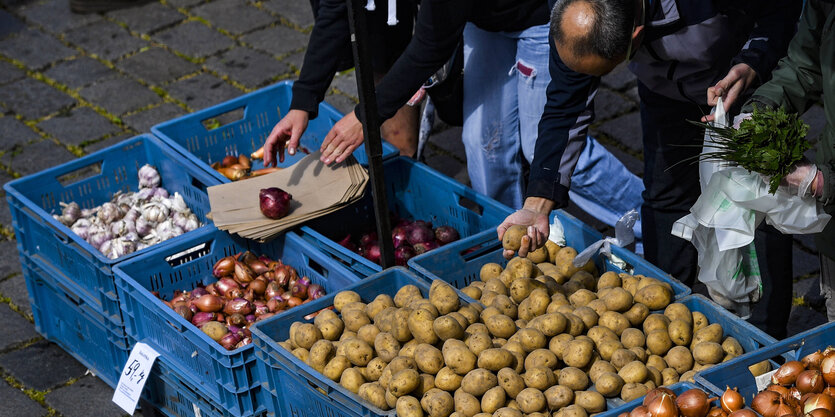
(82,228)
(148,177)
(98,239)
(143,227)
(155,212)
(69,213)
(109,213)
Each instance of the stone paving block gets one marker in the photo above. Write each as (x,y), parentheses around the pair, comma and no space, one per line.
(804,318)
(10,261)
(82,124)
(346,84)
(97,399)
(120,95)
(9,73)
(148,17)
(15,287)
(298,12)
(14,133)
(42,366)
(632,94)
(156,66)
(342,103)
(233,16)
(9,24)
(620,78)
(194,39)
(105,143)
(184,3)
(35,49)
(5,216)
(625,129)
(105,39)
(55,16)
(295,60)
(247,66)
(16,404)
(277,40)
(33,99)
(449,139)
(804,263)
(144,120)
(448,166)
(16,329)
(80,72)
(816,118)
(633,164)
(39,156)
(202,91)
(608,104)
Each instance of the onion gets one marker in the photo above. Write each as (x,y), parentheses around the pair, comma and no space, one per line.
(656,392)
(299,288)
(731,400)
(783,391)
(766,403)
(787,374)
(623,414)
(184,311)
(810,380)
(293,301)
(828,369)
(830,391)
(229,340)
(368,239)
(284,274)
(785,410)
(315,291)
(243,274)
(818,401)
(417,233)
(236,319)
(250,318)
(372,253)
(258,285)
(820,412)
(276,304)
(812,360)
(264,316)
(275,202)
(209,303)
(693,403)
(224,285)
(198,292)
(446,234)
(398,236)
(743,413)
(202,318)
(403,254)
(257,267)
(640,411)
(347,244)
(424,247)
(717,412)
(238,305)
(663,406)
(273,290)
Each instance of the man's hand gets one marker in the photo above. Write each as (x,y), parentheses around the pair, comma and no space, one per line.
(534,214)
(804,180)
(739,78)
(345,136)
(286,133)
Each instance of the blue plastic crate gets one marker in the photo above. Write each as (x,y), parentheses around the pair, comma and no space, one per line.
(293,387)
(459,262)
(416,192)
(261,110)
(68,320)
(229,377)
(735,373)
(91,181)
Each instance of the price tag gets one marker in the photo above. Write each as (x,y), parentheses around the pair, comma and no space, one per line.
(133,378)
(764,380)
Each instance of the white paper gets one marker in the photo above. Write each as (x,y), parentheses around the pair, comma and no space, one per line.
(764,380)
(134,376)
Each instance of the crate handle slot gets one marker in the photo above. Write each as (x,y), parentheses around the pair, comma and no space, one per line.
(222,119)
(80,174)
(189,255)
(470,205)
(198,184)
(61,236)
(316,266)
(479,250)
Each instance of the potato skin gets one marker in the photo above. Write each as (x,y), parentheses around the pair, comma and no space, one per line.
(559,396)
(609,384)
(510,381)
(494,359)
(478,381)
(437,403)
(531,400)
(457,357)
(404,382)
(375,394)
(592,402)
(512,238)
(429,358)
(408,406)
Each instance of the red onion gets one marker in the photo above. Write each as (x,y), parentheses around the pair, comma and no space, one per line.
(250,318)
(423,247)
(299,289)
(276,304)
(224,285)
(347,244)
(372,253)
(398,236)
(261,309)
(446,234)
(368,239)
(229,340)
(236,319)
(198,292)
(224,267)
(273,290)
(423,223)
(238,305)
(202,318)
(275,202)
(315,291)
(403,254)
(417,233)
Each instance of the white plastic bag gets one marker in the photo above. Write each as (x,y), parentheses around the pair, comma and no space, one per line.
(624,235)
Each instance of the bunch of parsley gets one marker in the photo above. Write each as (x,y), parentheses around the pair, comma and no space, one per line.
(771,142)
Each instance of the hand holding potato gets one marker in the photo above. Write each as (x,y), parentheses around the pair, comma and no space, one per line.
(527,229)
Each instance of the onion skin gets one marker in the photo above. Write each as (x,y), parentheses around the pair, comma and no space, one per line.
(224,285)
(828,369)
(209,303)
(816,401)
(820,412)
(717,412)
(731,400)
(202,318)
(258,286)
(693,403)
(787,374)
(640,411)
(743,413)
(656,392)
(238,306)
(243,274)
(766,403)
(830,391)
(785,410)
(623,414)
(224,267)
(663,405)
(810,381)
(783,391)
(812,360)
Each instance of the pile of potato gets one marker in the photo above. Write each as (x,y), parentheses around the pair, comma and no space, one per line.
(553,338)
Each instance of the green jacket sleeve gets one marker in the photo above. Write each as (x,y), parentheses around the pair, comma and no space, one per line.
(796,84)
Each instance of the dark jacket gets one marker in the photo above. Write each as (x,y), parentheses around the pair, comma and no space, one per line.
(805,76)
(689,45)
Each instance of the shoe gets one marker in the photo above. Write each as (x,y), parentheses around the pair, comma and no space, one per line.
(96,6)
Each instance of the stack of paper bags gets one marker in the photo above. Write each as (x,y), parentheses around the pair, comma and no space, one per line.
(317,190)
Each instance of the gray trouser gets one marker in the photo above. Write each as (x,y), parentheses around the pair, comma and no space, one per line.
(827,285)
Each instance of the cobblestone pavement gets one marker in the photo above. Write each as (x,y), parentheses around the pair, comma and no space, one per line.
(72,84)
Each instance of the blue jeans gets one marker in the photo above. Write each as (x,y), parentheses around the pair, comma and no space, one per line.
(505,81)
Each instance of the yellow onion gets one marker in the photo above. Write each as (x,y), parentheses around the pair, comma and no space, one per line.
(783,391)
(810,381)
(693,403)
(816,401)
(787,374)
(731,400)
(812,360)
(717,412)
(743,413)
(663,406)
(828,369)
(819,412)
(766,403)
(656,392)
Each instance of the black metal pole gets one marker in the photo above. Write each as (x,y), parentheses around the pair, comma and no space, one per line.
(371,127)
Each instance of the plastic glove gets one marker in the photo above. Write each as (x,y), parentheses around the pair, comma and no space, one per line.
(799,181)
(739,118)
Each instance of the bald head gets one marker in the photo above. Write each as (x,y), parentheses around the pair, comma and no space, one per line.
(592,36)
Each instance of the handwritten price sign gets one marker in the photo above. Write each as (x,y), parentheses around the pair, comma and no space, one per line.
(136,372)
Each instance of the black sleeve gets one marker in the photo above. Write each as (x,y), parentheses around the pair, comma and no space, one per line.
(330,36)
(775,24)
(562,130)
(438,29)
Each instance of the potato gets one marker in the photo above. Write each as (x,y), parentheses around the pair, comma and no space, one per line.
(535,305)
(494,359)
(680,331)
(679,311)
(598,368)
(478,381)
(457,357)
(760,368)
(489,271)
(657,361)
(493,399)
(589,316)
(446,327)
(574,378)
(448,380)
(305,335)
(586,279)
(399,325)
(478,342)
(609,384)
(576,326)
(320,354)
(429,359)
(608,347)
(352,379)
(687,376)
(518,268)
(510,381)
(592,402)
(505,306)
(658,342)
(708,353)
(578,353)
(629,282)
(374,369)
(466,404)
(375,394)
(358,352)
(531,400)
(680,359)
(335,367)
(550,324)
(406,294)
(669,376)
(634,371)
(496,286)
(632,391)
(637,314)
(655,376)
(380,303)
(500,326)
(632,337)
(699,321)
(618,299)
(564,260)
(386,346)
(599,334)
(540,378)
(472,291)
(443,297)
(732,347)
(655,321)
(408,349)
(711,333)
(355,318)
(654,296)
(507,412)
(408,406)
(598,306)
(383,319)
(420,323)
(344,297)
(404,382)
(571,411)
(437,403)
(614,321)
(621,357)
(558,396)
(581,297)
(512,238)
(558,344)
